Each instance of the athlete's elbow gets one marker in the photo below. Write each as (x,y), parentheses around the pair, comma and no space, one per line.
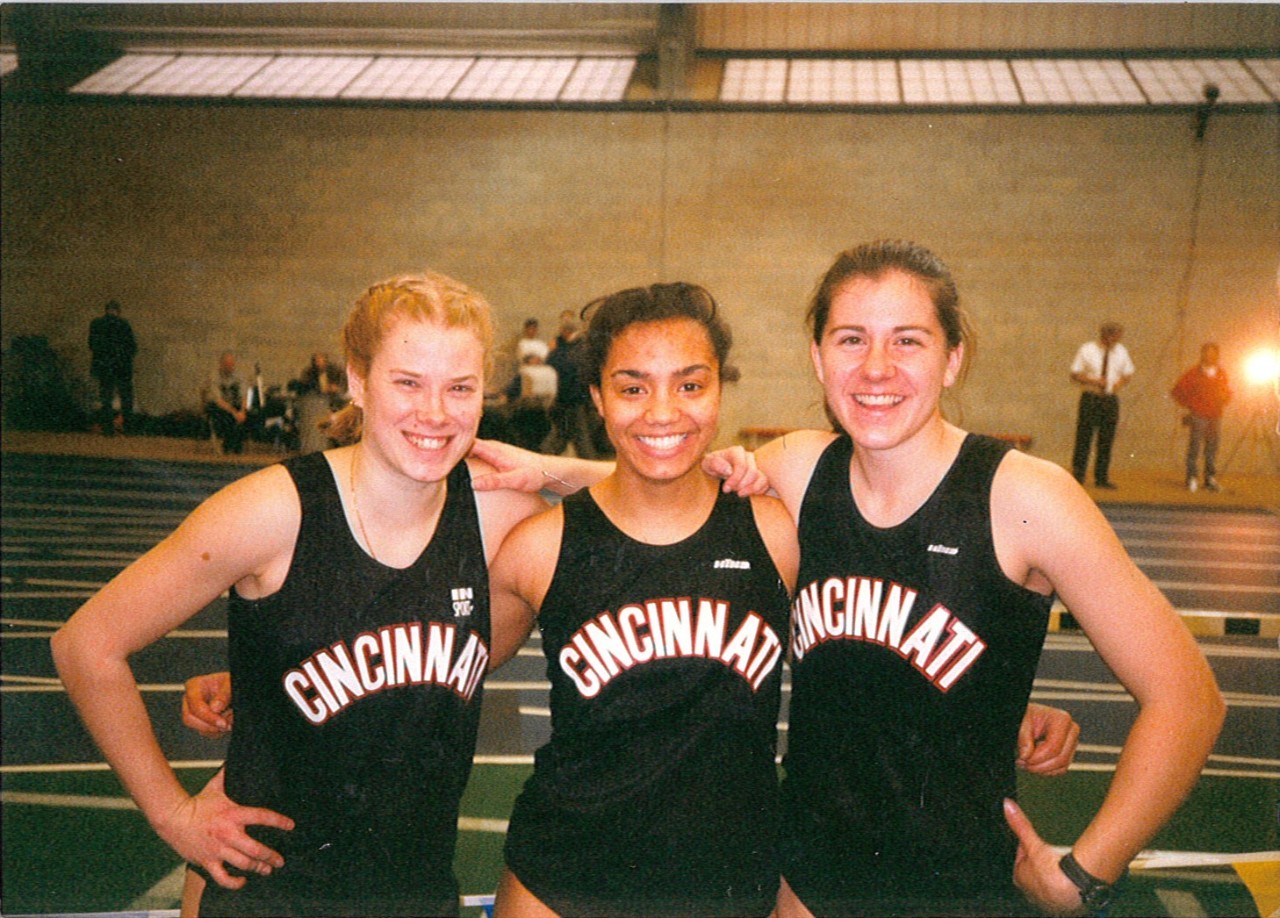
(74,655)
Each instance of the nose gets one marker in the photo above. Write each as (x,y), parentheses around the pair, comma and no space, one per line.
(430,407)
(661,408)
(878,363)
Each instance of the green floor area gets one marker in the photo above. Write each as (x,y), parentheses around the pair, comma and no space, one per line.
(63,858)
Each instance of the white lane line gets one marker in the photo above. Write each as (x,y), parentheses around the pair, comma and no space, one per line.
(1180,904)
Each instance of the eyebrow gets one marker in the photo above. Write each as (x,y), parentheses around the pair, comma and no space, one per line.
(640,374)
(897,329)
(417,375)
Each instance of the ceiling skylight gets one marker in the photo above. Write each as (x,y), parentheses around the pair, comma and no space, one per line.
(356,76)
(988,82)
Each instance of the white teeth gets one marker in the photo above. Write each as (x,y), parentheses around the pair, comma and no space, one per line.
(427,442)
(877,401)
(660,443)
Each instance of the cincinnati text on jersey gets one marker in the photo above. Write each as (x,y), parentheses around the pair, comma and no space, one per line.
(940,646)
(659,629)
(336,677)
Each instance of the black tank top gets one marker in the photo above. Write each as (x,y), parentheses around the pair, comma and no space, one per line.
(657,793)
(913,659)
(357,693)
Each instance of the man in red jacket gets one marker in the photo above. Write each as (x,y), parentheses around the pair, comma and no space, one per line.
(1204,391)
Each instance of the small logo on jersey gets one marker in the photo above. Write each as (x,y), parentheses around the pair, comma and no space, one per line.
(731,563)
(462,597)
(944,550)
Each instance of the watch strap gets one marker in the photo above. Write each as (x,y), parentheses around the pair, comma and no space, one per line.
(1096,894)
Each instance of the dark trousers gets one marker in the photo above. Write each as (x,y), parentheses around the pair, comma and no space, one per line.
(572,424)
(1098,414)
(112,382)
(227,429)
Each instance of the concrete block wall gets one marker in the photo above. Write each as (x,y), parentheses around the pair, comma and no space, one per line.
(254,228)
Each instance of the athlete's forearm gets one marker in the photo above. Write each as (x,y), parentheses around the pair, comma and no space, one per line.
(107,698)
(566,475)
(1158,767)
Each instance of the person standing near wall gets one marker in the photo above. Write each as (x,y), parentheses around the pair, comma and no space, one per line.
(1103,368)
(1204,391)
(113,346)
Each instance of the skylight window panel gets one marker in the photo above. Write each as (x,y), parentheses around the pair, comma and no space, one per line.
(1043,82)
(505,79)
(754,80)
(1183,82)
(936,82)
(1267,71)
(820,81)
(304,76)
(430,78)
(545,78)
(843,82)
(8,62)
(877,81)
(1160,81)
(1109,82)
(1234,82)
(913,88)
(992,82)
(122,73)
(202,75)
(599,79)
(1076,82)
(483,79)
(958,82)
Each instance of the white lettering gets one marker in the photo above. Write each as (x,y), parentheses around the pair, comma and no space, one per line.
(610,644)
(940,646)
(335,677)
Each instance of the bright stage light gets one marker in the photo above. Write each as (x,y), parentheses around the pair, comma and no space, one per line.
(1262,367)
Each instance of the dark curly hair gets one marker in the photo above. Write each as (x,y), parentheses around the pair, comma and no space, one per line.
(609,316)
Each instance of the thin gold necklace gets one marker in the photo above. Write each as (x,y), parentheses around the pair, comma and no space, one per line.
(355,505)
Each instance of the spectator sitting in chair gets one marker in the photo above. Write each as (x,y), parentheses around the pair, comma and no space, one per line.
(225,405)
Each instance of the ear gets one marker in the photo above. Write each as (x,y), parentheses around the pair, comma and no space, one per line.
(955,360)
(815,354)
(597,399)
(355,386)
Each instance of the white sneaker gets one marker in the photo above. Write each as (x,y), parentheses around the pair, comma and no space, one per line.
(1193,485)
(1211,484)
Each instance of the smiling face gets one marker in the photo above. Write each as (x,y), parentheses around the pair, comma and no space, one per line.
(422,398)
(883,359)
(659,395)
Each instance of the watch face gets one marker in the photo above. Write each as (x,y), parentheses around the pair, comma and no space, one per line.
(1097,898)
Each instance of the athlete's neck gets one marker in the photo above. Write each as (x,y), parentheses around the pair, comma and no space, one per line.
(657,512)
(890,485)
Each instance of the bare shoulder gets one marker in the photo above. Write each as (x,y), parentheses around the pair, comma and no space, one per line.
(788,462)
(527,558)
(771,513)
(779,535)
(548,522)
(502,509)
(265,500)
(1035,487)
(1043,518)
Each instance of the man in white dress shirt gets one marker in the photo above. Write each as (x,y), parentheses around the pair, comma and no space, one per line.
(1102,368)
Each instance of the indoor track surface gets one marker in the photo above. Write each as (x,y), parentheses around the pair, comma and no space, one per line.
(74,843)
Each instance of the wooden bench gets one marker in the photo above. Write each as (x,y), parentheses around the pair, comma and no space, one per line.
(755,437)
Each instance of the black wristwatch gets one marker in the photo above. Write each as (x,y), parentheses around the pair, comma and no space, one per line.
(1094,893)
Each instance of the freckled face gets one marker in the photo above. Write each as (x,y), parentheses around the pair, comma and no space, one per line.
(422,399)
(659,395)
(883,360)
